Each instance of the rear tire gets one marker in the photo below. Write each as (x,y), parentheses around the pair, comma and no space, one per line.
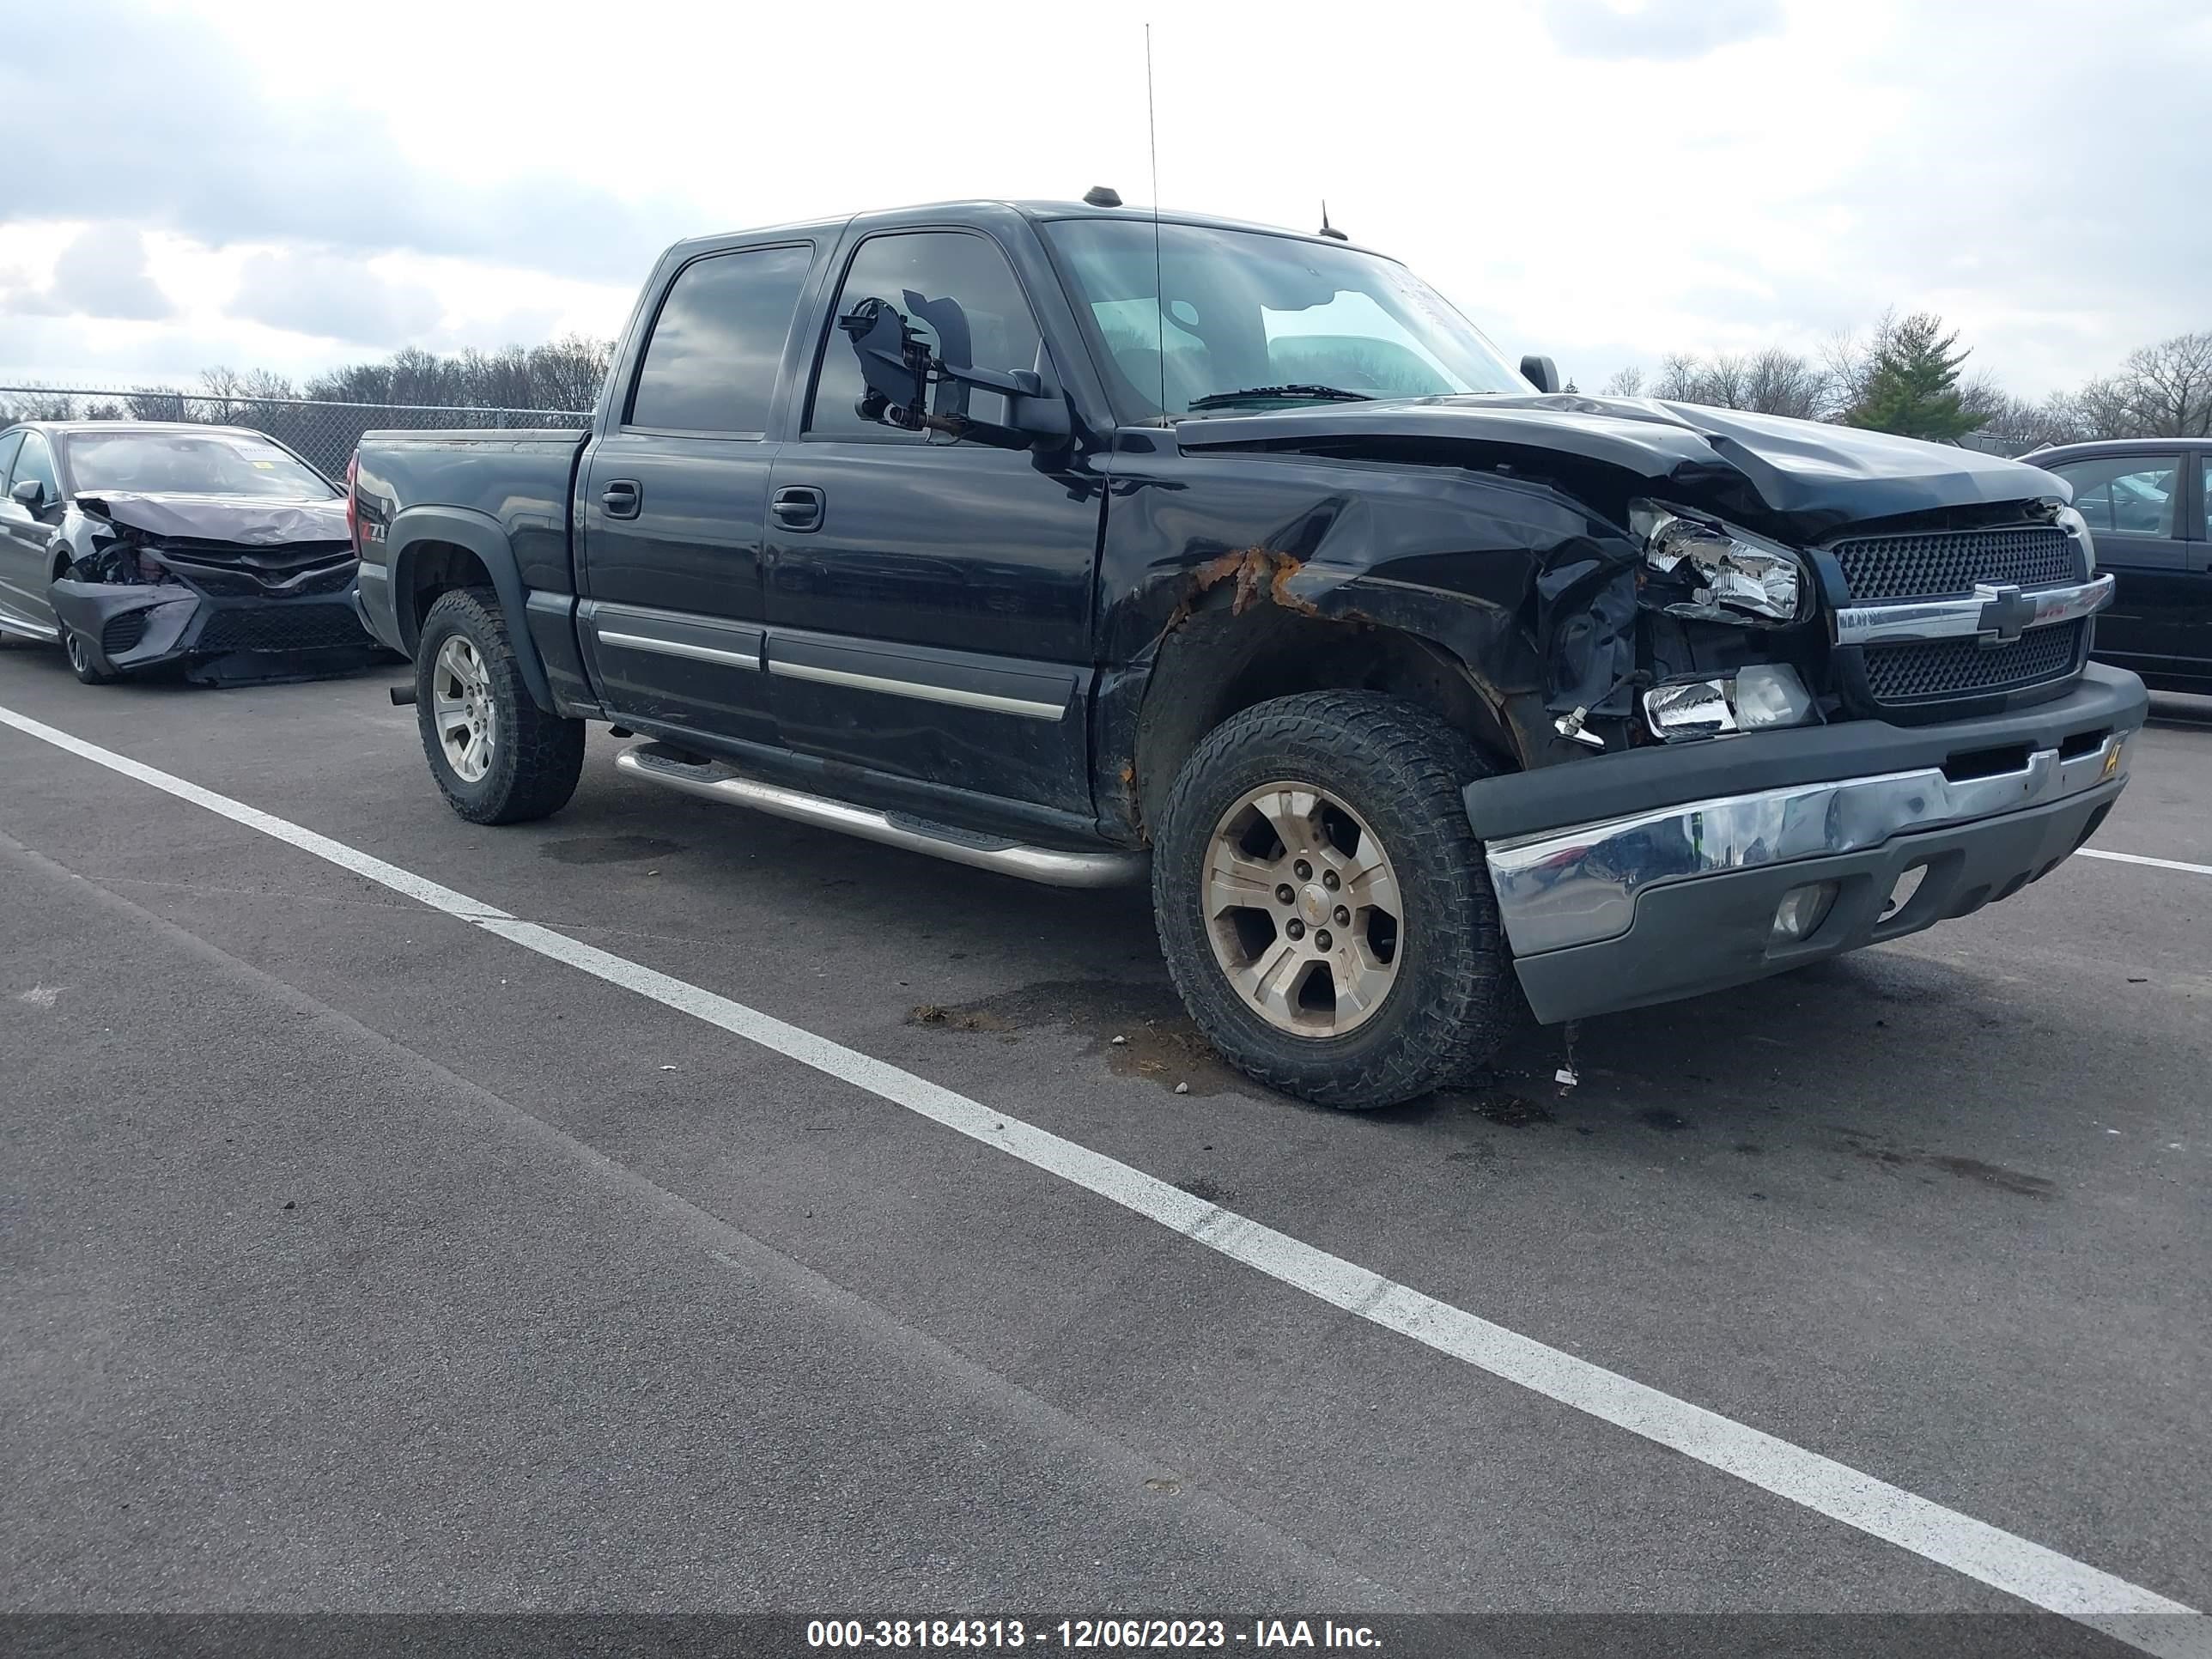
(1352,1014)
(497,757)
(80,660)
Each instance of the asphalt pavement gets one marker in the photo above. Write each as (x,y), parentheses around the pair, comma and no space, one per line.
(359,1258)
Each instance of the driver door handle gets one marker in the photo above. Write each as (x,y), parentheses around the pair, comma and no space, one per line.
(621,497)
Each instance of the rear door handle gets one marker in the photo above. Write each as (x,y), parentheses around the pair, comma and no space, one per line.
(799,507)
(621,497)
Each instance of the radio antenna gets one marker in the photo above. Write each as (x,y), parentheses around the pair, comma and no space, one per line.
(1159,284)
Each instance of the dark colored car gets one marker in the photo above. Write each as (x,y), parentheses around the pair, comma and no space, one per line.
(2149,502)
(1043,539)
(142,544)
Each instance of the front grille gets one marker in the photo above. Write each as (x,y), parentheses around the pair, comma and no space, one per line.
(287,572)
(282,628)
(122,633)
(1949,668)
(1952,562)
(1940,564)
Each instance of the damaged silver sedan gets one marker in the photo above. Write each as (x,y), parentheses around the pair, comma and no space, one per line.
(212,550)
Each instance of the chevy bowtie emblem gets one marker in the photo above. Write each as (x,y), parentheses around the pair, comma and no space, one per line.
(2006,613)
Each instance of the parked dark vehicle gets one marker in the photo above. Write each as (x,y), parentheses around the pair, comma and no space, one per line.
(141,544)
(1408,674)
(2148,502)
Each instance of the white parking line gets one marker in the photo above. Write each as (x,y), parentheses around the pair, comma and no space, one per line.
(2137,857)
(2016,1565)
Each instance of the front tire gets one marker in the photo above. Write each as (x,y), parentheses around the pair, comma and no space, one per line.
(80,660)
(497,757)
(1384,974)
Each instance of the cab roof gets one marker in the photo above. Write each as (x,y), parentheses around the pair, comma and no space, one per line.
(986,209)
(2120,447)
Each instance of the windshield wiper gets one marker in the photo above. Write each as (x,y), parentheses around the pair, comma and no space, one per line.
(1330,393)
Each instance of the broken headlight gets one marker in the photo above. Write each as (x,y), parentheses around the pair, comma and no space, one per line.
(1713,572)
(2076,525)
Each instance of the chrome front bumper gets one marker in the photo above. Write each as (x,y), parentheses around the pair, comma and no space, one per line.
(1681,900)
(1574,886)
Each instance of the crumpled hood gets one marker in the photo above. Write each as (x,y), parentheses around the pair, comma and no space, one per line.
(246,520)
(1816,475)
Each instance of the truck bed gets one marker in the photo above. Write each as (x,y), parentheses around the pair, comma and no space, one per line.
(522,480)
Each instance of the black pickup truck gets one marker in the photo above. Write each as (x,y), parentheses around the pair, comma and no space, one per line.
(1058,541)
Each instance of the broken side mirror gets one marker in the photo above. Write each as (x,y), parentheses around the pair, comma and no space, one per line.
(28,492)
(898,371)
(1541,373)
(894,365)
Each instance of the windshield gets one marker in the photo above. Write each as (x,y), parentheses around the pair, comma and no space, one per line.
(190,463)
(1246,310)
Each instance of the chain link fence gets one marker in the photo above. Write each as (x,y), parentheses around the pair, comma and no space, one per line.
(324,433)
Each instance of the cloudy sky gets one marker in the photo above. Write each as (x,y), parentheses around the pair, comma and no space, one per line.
(268,186)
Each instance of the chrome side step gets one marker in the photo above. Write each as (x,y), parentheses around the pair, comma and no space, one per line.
(24,629)
(712,781)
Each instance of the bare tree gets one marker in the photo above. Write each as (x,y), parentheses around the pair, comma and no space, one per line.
(38,404)
(155,403)
(563,375)
(1678,377)
(497,379)
(266,385)
(568,374)
(1778,382)
(1770,382)
(2162,391)
(220,386)
(1724,381)
(2062,419)
(2108,409)
(2019,424)
(1628,383)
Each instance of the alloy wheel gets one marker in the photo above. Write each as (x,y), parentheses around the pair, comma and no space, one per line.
(1303,909)
(461,704)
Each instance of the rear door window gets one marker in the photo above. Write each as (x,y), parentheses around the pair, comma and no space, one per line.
(717,345)
(9,445)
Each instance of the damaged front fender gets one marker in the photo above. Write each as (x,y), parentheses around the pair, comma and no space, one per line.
(1218,568)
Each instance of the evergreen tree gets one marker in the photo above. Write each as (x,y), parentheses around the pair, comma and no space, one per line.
(1912,388)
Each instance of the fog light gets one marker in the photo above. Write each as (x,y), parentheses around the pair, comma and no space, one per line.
(1801,912)
(1761,696)
(1689,708)
(1771,694)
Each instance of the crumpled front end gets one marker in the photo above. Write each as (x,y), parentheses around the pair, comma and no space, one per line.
(228,612)
(1858,575)
(1671,870)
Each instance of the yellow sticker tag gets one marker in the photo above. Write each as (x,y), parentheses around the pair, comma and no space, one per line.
(266,467)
